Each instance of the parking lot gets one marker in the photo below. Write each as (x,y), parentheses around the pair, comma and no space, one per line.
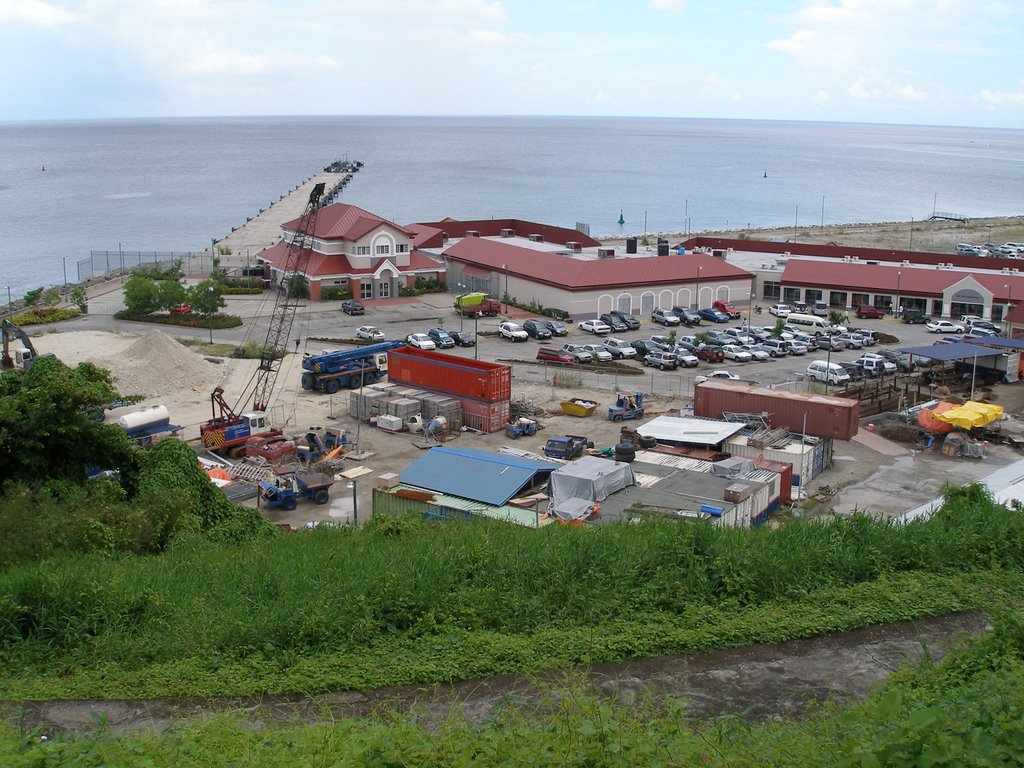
(324,321)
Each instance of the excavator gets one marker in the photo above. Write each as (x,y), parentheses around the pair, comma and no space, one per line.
(17,357)
(229,428)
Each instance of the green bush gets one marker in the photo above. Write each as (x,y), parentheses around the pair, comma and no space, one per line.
(43,315)
(335,294)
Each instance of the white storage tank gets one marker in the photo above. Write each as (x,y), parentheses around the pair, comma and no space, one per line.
(150,416)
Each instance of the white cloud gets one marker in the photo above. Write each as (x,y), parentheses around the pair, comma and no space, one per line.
(995,98)
(822,97)
(669,6)
(873,85)
(35,13)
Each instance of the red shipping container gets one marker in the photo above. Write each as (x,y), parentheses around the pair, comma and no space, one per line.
(487,417)
(799,412)
(450,374)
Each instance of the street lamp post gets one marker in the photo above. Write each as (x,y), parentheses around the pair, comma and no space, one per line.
(899,277)
(462,317)
(1009,309)
(64,260)
(696,305)
(120,253)
(355,509)
(506,287)
(476,336)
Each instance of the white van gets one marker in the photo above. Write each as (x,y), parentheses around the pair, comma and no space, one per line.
(830,373)
(812,324)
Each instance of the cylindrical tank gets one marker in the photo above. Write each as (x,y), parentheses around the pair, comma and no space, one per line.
(147,417)
(663,249)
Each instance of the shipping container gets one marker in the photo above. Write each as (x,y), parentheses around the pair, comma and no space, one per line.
(799,412)
(486,417)
(450,374)
(807,460)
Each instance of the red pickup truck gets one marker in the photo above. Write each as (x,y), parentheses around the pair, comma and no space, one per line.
(726,308)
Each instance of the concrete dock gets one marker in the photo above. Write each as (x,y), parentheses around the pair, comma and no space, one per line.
(264,228)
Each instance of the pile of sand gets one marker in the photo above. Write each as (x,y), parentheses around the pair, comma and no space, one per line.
(156,365)
(152,364)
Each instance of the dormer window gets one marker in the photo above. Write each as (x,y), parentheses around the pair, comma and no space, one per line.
(383,250)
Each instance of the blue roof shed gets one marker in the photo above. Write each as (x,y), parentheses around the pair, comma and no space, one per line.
(488,477)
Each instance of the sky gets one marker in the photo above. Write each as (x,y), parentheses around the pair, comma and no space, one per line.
(944,62)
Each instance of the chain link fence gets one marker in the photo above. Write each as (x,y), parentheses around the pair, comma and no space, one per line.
(110,263)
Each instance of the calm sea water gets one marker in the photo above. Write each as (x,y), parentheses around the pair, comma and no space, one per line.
(174,184)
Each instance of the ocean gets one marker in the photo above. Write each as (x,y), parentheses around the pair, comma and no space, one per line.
(173,184)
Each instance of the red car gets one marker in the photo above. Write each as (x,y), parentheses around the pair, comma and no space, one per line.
(869,313)
(181,309)
(555,355)
(710,354)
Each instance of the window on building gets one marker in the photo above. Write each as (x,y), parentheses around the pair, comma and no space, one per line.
(859,299)
(791,294)
(837,298)
(384,289)
(812,295)
(625,303)
(366,290)
(402,248)
(362,250)
(772,290)
(383,250)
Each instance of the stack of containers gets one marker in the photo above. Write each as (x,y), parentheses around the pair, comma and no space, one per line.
(482,389)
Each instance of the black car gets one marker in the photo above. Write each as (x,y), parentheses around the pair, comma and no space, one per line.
(686,316)
(441,338)
(538,329)
(644,347)
(353,307)
(614,322)
(628,319)
(856,371)
(463,338)
(556,327)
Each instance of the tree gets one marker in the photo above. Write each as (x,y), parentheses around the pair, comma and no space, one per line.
(206,298)
(80,299)
(170,294)
(47,426)
(296,285)
(141,295)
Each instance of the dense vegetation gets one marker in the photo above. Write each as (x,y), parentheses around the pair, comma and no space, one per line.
(404,602)
(51,440)
(962,712)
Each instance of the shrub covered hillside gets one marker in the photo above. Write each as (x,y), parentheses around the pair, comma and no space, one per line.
(404,602)
(962,712)
(50,440)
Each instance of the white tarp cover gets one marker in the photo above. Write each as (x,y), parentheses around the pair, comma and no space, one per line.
(589,478)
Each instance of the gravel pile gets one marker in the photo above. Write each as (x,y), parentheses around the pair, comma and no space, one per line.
(157,366)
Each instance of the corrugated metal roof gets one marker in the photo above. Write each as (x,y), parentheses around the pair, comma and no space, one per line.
(678,429)
(475,474)
(947,352)
(342,221)
(315,264)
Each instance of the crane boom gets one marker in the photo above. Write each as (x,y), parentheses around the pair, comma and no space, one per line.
(284,306)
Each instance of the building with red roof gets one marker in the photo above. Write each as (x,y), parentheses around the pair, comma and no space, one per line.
(583,280)
(937,284)
(356,250)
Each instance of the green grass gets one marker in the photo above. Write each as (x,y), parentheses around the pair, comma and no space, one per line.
(962,712)
(405,602)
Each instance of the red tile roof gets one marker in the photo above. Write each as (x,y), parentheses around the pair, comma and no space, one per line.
(314,264)
(915,281)
(345,222)
(590,274)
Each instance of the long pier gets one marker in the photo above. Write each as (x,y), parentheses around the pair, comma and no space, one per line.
(264,228)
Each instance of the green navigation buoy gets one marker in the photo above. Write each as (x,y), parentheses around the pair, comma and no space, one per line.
(622,220)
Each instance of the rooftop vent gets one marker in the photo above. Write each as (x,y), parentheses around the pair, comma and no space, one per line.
(606,253)
(1014,271)
(1005,270)
(508,233)
(444,237)
(472,233)
(536,238)
(905,263)
(573,246)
